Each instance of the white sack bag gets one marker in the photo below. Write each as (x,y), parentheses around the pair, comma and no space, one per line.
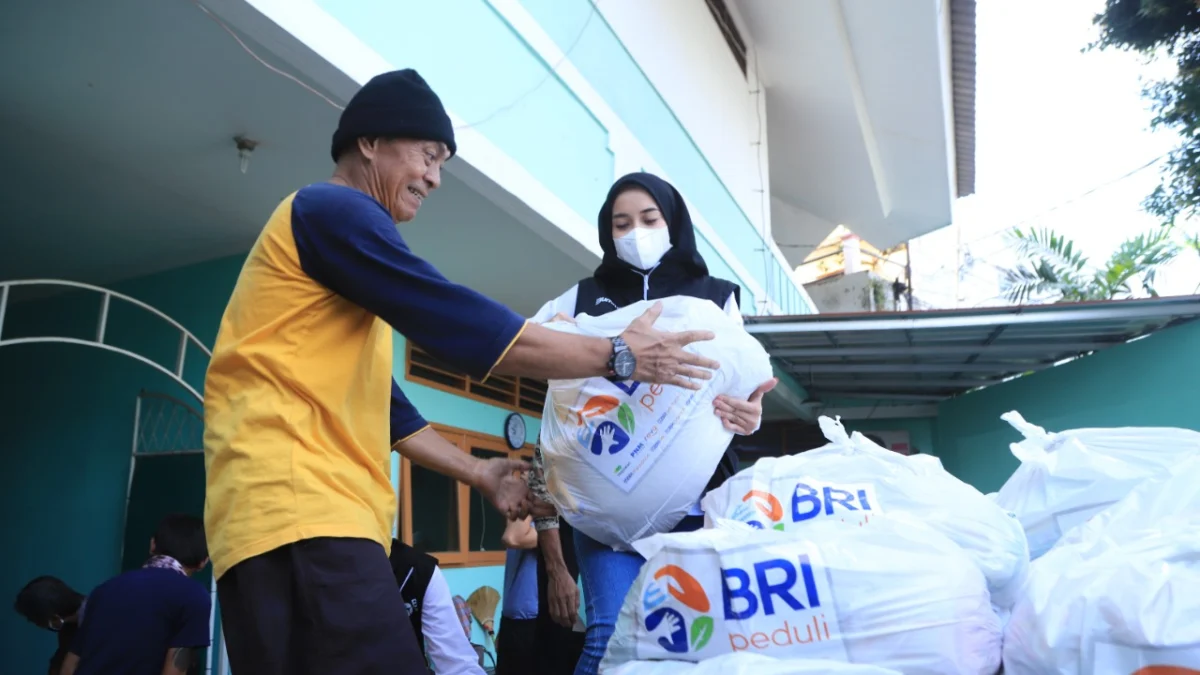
(626,459)
(742,663)
(1067,477)
(1117,593)
(896,595)
(851,480)
(1133,606)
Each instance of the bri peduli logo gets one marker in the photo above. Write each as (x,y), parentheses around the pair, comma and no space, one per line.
(667,624)
(759,503)
(807,502)
(767,605)
(607,437)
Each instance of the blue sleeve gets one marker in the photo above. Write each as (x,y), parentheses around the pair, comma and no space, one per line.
(406,421)
(348,243)
(193,623)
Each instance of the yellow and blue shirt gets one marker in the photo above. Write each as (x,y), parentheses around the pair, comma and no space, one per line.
(300,407)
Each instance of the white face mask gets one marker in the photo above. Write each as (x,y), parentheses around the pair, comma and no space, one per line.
(643,247)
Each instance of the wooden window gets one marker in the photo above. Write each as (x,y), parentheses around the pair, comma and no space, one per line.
(447,519)
(519,394)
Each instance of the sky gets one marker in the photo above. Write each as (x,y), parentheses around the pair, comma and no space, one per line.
(1053,122)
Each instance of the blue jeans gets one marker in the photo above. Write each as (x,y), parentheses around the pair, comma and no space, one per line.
(607,576)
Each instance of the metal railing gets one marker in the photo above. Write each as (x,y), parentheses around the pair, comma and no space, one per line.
(106,298)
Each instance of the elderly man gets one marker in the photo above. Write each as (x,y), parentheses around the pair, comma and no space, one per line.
(299,504)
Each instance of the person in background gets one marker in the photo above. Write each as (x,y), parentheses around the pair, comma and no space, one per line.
(517,645)
(301,411)
(426,596)
(49,603)
(149,621)
(649,246)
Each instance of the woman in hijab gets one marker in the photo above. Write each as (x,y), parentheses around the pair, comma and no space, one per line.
(649,246)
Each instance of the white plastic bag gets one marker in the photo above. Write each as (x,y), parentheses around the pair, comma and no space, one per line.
(852,479)
(1067,477)
(1119,592)
(1136,605)
(742,663)
(895,595)
(625,459)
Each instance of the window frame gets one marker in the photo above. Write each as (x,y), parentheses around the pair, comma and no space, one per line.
(464,440)
(469,383)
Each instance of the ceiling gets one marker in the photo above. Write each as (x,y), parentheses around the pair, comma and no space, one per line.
(859,115)
(921,358)
(119,124)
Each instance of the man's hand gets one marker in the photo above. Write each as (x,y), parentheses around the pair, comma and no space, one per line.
(563,597)
(502,483)
(661,358)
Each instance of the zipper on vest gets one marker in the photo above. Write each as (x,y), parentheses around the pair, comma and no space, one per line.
(646,282)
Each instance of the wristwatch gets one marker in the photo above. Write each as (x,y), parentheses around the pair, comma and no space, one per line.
(622,363)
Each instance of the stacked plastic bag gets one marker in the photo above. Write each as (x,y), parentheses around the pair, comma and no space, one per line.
(1066,478)
(625,460)
(896,595)
(852,480)
(1118,594)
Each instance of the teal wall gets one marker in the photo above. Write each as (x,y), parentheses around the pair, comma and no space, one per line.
(508,93)
(69,427)
(1151,382)
(68,432)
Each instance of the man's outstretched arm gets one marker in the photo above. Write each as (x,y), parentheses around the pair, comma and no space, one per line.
(348,243)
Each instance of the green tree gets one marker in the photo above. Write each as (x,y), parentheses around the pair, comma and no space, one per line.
(1053,269)
(1168,28)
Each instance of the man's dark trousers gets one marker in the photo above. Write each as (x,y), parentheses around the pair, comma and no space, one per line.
(322,606)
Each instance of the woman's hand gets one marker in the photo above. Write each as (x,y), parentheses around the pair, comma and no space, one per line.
(563,597)
(561,317)
(742,417)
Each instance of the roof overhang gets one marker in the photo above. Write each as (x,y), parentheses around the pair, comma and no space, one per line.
(870,115)
(910,361)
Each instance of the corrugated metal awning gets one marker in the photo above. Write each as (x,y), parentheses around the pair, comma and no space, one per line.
(926,357)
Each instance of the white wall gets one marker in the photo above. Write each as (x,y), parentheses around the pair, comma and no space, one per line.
(679,46)
(851,293)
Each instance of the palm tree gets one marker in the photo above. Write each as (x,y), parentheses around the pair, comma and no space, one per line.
(1053,269)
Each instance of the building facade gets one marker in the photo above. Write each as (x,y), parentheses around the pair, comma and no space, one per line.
(776,121)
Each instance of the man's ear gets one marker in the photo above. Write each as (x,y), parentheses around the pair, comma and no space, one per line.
(152,546)
(367,147)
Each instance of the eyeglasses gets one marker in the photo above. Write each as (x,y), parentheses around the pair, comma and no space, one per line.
(55,624)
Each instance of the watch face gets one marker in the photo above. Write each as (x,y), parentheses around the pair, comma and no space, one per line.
(624,364)
(514,429)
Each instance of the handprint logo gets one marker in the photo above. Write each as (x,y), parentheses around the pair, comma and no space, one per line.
(609,439)
(759,503)
(666,625)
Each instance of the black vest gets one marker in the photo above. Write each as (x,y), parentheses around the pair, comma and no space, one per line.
(413,571)
(592,301)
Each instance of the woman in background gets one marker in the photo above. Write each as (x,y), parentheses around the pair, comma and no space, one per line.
(649,246)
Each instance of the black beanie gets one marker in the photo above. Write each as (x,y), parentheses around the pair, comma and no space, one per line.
(398,104)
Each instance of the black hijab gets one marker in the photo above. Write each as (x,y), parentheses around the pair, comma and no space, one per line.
(682,270)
